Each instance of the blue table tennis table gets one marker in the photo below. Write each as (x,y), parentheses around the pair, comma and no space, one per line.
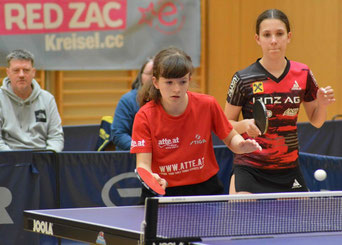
(123,225)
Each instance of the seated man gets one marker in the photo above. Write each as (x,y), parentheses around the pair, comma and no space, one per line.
(29,118)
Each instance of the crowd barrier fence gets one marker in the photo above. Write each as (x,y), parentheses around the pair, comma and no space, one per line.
(85,178)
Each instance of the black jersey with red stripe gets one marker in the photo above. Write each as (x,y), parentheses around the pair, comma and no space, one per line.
(282,97)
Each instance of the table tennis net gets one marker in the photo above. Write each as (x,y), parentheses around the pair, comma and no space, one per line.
(240,216)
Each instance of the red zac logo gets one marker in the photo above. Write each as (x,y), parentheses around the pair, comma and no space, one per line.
(48,16)
(166,16)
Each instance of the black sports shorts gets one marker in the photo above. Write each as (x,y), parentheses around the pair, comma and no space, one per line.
(256,180)
(212,186)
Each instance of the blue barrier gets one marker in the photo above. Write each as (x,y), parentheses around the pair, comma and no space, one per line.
(324,141)
(80,177)
(81,137)
(86,179)
(19,190)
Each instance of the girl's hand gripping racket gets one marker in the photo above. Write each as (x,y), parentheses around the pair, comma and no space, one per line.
(260,116)
(149,181)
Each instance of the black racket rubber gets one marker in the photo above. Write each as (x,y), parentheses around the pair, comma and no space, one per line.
(260,116)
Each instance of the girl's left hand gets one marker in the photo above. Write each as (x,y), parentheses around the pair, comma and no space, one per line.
(325,96)
(249,145)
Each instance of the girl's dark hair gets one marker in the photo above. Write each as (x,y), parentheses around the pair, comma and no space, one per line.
(168,63)
(138,80)
(172,63)
(272,14)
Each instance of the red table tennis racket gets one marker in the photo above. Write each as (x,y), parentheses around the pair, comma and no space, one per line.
(149,181)
(260,116)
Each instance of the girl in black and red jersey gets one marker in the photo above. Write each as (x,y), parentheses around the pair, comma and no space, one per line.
(172,132)
(282,85)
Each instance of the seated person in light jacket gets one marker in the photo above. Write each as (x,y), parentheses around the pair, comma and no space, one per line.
(29,118)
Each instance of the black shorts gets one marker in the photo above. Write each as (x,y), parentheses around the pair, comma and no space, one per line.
(212,186)
(256,180)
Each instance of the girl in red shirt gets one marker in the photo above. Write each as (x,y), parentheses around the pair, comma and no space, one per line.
(172,132)
(283,85)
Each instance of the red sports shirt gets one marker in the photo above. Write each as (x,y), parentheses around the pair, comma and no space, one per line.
(181,147)
(282,97)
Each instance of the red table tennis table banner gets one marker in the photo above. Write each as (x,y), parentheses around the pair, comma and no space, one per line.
(89,34)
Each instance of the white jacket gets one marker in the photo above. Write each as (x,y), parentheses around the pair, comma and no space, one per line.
(33,123)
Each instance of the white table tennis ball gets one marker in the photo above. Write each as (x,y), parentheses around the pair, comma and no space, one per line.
(320,174)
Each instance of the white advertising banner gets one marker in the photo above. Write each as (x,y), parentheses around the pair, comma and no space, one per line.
(98,34)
